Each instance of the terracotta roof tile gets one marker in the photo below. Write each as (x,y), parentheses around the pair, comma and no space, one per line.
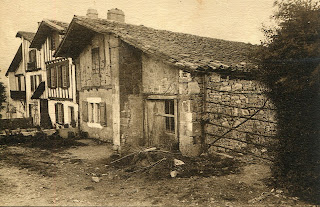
(183,50)
(26,35)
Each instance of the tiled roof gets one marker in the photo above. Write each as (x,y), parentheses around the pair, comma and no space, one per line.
(16,61)
(64,25)
(183,50)
(26,35)
(45,28)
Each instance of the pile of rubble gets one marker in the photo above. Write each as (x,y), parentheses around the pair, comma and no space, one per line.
(158,163)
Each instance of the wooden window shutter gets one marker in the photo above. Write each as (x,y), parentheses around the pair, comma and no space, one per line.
(54,77)
(49,77)
(85,111)
(103,114)
(56,112)
(59,76)
(62,113)
(65,76)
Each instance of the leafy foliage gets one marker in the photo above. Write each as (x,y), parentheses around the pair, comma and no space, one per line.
(289,65)
(2,96)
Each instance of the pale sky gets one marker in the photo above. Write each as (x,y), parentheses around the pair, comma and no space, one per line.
(237,20)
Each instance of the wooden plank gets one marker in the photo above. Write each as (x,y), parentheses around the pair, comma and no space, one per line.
(161,97)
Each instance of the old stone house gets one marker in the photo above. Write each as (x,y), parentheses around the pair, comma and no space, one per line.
(141,86)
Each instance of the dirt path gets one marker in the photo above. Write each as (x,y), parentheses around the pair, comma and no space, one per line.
(31,176)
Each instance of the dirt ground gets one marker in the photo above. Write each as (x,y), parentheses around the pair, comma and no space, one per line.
(81,176)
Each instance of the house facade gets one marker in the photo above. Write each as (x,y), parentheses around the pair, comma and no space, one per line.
(17,74)
(141,86)
(56,94)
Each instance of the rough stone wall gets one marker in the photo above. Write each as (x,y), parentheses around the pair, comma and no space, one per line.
(229,102)
(158,77)
(131,101)
(191,90)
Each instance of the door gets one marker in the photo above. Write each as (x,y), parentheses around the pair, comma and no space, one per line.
(161,124)
(45,120)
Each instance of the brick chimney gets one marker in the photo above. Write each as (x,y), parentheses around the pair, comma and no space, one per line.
(115,15)
(92,13)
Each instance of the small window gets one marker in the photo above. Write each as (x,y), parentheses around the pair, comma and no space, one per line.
(169,116)
(95,60)
(32,56)
(94,112)
(31,65)
(19,83)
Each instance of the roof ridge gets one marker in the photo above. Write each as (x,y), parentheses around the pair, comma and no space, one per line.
(154,29)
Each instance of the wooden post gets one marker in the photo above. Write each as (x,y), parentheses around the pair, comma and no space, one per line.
(114,64)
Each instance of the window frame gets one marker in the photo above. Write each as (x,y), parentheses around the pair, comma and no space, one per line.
(169,114)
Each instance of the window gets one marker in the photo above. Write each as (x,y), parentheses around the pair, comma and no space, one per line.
(32,60)
(58,76)
(32,56)
(35,80)
(169,116)
(19,82)
(95,60)
(94,112)
(59,111)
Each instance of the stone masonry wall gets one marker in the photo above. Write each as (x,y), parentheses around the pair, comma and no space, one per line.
(191,92)
(229,102)
(131,101)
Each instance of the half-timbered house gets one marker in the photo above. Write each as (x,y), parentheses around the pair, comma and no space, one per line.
(56,95)
(16,73)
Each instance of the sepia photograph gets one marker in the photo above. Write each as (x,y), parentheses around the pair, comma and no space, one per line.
(160,103)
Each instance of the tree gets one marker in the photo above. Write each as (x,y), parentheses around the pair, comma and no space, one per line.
(2,96)
(289,65)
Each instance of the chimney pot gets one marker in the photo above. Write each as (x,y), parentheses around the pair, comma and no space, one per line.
(92,13)
(116,15)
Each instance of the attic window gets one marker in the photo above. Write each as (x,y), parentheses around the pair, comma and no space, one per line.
(32,60)
(95,60)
